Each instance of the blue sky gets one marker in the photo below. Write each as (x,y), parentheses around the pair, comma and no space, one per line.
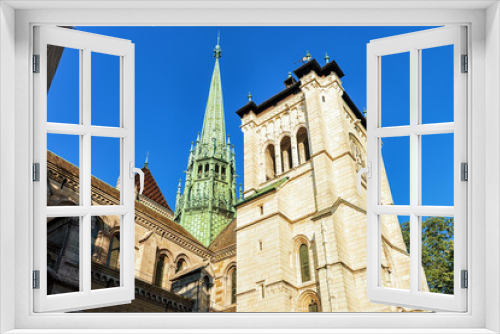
(173,71)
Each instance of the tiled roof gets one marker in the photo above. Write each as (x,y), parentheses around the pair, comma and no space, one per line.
(225,238)
(151,189)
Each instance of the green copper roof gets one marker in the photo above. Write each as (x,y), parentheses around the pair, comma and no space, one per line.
(214,125)
(206,206)
(265,190)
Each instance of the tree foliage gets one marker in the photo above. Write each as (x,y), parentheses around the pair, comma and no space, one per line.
(437,252)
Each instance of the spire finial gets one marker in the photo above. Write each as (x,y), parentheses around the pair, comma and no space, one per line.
(249,96)
(364,111)
(327,58)
(308,55)
(217,50)
(146,163)
(289,74)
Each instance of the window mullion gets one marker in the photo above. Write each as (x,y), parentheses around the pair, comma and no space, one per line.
(86,171)
(414,168)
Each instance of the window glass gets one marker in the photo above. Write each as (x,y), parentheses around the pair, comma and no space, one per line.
(63,85)
(304,263)
(395,89)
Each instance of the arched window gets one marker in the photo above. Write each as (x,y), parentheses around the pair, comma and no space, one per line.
(286,153)
(114,252)
(206,168)
(200,170)
(97,225)
(313,306)
(270,162)
(181,265)
(303,145)
(217,170)
(304,263)
(233,286)
(161,269)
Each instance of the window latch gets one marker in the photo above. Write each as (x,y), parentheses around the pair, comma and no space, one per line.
(139,171)
(368,171)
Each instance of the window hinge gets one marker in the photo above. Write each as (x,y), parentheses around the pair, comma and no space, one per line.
(465,279)
(465,64)
(36,279)
(464,167)
(36,63)
(36,172)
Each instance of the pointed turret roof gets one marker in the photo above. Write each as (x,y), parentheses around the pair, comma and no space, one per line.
(213,123)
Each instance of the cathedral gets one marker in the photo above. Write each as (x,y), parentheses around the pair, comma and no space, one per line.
(293,240)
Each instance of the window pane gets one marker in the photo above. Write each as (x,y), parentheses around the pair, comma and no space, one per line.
(304,264)
(63,85)
(437,84)
(438,254)
(63,170)
(395,89)
(395,252)
(437,169)
(105,238)
(63,255)
(106,171)
(395,184)
(105,90)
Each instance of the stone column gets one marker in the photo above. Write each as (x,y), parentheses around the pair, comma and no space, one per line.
(277,160)
(295,156)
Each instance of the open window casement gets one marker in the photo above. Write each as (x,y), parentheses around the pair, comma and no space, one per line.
(416,294)
(65,234)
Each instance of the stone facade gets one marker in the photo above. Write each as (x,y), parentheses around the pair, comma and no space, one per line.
(303,148)
(158,239)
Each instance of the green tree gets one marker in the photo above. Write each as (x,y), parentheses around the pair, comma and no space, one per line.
(437,252)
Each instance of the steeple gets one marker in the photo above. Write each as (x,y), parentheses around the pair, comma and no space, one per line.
(206,206)
(213,124)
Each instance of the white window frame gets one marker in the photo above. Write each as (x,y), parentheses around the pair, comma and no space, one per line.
(86,44)
(414,43)
(16,21)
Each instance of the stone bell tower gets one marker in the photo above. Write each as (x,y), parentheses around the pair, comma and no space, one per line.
(206,206)
(301,229)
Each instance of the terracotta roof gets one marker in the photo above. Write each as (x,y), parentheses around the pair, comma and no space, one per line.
(225,238)
(151,189)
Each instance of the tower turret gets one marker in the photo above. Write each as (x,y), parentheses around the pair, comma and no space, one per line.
(206,206)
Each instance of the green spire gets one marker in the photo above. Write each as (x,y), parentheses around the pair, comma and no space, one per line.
(213,124)
(206,206)
(327,58)
(146,163)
